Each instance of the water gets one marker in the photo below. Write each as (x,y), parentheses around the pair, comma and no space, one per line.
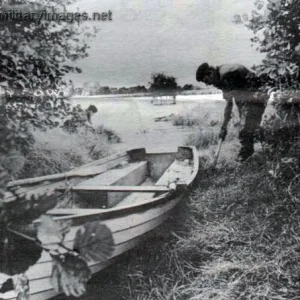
(133,119)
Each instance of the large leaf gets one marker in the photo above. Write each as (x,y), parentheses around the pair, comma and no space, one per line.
(51,233)
(94,242)
(70,274)
(17,254)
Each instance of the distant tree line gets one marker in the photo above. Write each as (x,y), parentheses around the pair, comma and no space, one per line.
(159,83)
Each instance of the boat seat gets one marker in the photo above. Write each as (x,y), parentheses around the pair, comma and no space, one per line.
(130,174)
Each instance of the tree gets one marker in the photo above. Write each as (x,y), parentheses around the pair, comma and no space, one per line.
(162,83)
(275,24)
(34,57)
(188,87)
(96,89)
(105,90)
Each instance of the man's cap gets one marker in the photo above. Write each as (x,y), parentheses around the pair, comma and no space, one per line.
(202,71)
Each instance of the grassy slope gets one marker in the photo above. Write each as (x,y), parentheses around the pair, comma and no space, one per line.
(236,238)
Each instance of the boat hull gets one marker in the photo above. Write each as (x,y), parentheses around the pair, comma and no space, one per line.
(128,224)
(128,232)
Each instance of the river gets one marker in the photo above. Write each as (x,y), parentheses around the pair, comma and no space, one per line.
(133,119)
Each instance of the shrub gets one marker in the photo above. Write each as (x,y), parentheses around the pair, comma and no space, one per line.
(187,120)
(59,151)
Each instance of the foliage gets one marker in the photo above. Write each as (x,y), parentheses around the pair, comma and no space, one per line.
(96,89)
(95,242)
(203,139)
(281,129)
(50,233)
(184,120)
(275,24)
(70,274)
(34,57)
(59,151)
(70,271)
(16,259)
(162,83)
(188,87)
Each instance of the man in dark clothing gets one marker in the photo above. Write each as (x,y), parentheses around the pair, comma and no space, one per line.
(241,85)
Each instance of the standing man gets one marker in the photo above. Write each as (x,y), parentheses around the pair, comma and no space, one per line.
(242,85)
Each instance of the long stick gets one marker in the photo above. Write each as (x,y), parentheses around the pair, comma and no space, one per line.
(217,153)
(220,143)
(86,170)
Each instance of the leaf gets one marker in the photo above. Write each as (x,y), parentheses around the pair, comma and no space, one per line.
(49,233)
(21,284)
(7,286)
(16,253)
(95,242)
(70,274)
(259,4)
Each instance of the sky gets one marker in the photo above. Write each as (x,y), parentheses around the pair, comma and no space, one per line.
(170,36)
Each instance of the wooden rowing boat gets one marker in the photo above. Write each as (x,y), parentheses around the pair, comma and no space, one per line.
(131,193)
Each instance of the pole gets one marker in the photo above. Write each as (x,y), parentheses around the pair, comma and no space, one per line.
(217,153)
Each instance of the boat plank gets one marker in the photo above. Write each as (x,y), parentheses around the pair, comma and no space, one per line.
(121,224)
(131,174)
(43,185)
(112,176)
(134,198)
(121,188)
(122,242)
(114,157)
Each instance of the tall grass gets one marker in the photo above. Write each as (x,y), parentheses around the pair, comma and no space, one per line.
(208,121)
(236,238)
(58,151)
(184,120)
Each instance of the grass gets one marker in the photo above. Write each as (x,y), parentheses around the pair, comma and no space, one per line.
(58,151)
(235,237)
(187,120)
(238,237)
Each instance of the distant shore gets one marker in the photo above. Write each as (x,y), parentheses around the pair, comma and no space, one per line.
(139,95)
(148,97)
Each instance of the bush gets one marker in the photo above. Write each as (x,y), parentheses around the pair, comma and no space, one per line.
(58,151)
(281,128)
(187,120)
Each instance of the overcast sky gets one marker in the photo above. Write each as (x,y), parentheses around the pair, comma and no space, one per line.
(171,36)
